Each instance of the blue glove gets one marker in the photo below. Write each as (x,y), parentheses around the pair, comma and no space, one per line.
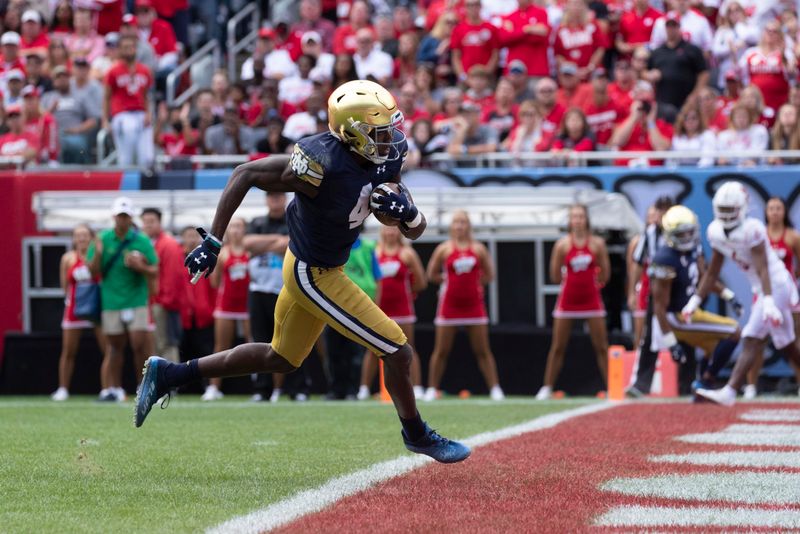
(395,205)
(203,259)
(678,354)
(738,309)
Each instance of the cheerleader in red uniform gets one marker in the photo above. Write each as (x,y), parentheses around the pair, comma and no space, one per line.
(580,263)
(402,277)
(73,269)
(785,241)
(232,282)
(462,266)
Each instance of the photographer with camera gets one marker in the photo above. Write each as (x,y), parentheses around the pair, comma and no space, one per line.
(642,130)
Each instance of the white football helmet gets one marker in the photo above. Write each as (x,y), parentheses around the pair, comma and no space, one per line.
(730,204)
(681,229)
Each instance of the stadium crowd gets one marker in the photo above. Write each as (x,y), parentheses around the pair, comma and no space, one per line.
(471,78)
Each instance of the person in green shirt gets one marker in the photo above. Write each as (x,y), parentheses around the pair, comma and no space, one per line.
(127,279)
(344,355)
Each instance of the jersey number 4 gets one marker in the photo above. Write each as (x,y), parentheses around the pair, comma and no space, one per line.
(361,210)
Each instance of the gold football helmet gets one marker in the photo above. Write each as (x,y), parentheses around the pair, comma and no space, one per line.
(681,229)
(365,116)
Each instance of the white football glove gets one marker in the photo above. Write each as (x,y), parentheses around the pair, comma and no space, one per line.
(771,312)
(690,308)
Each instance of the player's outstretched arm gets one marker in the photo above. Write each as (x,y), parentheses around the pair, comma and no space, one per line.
(710,277)
(272,173)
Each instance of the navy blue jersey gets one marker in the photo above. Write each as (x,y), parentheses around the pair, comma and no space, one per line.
(323,229)
(681,268)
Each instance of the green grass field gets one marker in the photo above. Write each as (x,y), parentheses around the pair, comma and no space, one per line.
(80,466)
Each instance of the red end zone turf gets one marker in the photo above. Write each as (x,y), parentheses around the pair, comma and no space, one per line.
(574,477)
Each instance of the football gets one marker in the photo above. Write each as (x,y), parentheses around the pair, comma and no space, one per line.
(385,219)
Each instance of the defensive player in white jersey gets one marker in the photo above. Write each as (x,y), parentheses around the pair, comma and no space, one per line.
(744,240)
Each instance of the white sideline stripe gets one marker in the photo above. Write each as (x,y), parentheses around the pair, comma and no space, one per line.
(314,500)
(772,415)
(698,516)
(733,458)
(743,487)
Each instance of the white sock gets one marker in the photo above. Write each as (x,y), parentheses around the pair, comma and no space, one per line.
(729,391)
(104,392)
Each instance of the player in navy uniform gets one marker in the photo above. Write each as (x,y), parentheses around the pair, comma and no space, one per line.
(674,272)
(333,175)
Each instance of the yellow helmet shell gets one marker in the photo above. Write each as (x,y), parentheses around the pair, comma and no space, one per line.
(357,110)
(681,229)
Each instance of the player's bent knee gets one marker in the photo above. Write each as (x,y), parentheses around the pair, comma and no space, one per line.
(401,357)
(279,364)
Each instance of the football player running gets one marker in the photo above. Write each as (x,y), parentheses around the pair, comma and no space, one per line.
(674,272)
(744,240)
(332,175)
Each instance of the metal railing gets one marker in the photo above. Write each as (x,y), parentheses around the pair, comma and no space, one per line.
(209,54)
(252,11)
(539,159)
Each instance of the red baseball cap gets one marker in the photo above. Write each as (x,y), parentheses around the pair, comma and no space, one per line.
(144,3)
(30,90)
(14,109)
(267,33)
(129,19)
(672,16)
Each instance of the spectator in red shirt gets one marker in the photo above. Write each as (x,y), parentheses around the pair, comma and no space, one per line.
(197,317)
(126,108)
(574,135)
(174,133)
(412,107)
(109,14)
(405,64)
(159,34)
(167,303)
(84,42)
(635,27)
(572,93)
(770,65)
(641,130)
(474,42)
(176,14)
(33,39)
(17,142)
(621,89)
(526,35)
(501,115)
(344,40)
(713,109)
(40,123)
(580,39)
(550,110)
(602,112)
(11,59)
(478,89)
(311,21)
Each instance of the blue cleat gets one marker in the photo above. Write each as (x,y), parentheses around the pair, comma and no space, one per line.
(437,447)
(151,389)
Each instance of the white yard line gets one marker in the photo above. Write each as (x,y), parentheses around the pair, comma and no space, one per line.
(316,499)
(741,487)
(733,458)
(698,516)
(786,416)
